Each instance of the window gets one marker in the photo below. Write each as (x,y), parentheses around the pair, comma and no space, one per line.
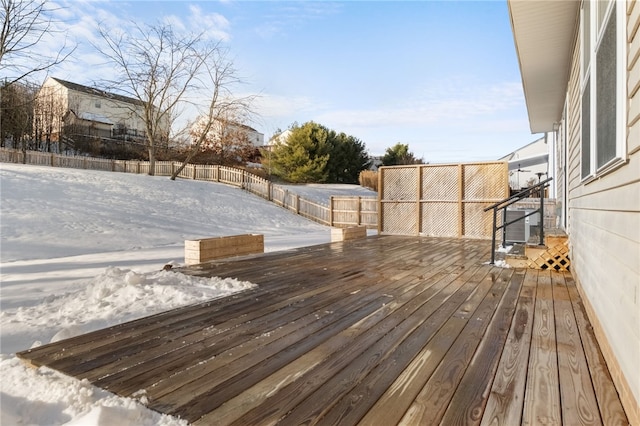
(97,103)
(606,94)
(602,136)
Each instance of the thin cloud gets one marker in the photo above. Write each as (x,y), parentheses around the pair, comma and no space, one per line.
(295,15)
(451,107)
(212,26)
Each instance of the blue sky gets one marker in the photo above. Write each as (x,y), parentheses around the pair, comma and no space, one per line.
(441,76)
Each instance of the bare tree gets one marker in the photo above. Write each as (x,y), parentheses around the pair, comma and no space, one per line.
(49,111)
(218,128)
(159,68)
(25,24)
(16,113)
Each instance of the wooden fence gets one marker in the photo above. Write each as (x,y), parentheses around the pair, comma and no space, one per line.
(444,200)
(341,211)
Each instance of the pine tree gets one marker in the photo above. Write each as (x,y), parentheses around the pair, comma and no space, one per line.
(303,157)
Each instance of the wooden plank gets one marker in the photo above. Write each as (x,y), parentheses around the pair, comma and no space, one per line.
(331,356)
(542,395)
(278,382)
(431,403)
(368,355)
(358,287)
(467,404)
(393,404)
(610,407)
(504,406)
(579,406)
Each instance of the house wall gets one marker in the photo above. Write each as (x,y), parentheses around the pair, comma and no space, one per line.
(604,229)
(518,180)
(116,111)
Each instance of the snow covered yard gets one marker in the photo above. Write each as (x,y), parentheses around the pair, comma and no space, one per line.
(82,250)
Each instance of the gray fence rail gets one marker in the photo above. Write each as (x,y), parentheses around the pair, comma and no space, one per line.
(341,212)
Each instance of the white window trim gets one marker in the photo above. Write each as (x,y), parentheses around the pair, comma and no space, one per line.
(621,156)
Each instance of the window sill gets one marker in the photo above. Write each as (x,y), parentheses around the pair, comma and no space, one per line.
(610,167)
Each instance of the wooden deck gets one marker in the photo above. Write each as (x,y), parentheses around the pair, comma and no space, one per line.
(381,331)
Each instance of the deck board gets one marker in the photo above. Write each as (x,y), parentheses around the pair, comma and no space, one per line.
(506,399)
(379,331)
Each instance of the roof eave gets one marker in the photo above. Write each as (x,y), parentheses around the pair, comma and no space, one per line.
(544,33)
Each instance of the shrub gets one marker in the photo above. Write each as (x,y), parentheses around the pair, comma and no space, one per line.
(369,179)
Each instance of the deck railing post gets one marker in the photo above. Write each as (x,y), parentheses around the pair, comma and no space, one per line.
(541,218)
(493,237)
(504,228)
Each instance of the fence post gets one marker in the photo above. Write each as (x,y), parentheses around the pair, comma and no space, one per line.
(195,168)
(52,164)
(297,204)
(358,211)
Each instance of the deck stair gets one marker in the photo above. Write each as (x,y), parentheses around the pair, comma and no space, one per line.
(553,255)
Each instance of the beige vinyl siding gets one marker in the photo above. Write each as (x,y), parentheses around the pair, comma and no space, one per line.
(574,111)
(604,223)
(633,82)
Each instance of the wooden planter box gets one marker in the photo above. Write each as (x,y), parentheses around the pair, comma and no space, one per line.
(350,233)
(207,249)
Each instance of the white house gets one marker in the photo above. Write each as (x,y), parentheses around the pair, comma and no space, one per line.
(87,111)
(277,138)
(529,163)
(580,68)
(255,137)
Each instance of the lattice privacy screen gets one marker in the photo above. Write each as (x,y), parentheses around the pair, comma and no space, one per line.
(441,200)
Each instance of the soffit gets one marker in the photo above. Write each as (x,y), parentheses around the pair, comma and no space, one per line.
(544,33)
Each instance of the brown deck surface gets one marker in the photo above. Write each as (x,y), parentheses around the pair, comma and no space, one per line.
(381,331)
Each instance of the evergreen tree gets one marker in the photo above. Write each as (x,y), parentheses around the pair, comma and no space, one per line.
(399,154)
(303,157)
(314,153)
(348,158)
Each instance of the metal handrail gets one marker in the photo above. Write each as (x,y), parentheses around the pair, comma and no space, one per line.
(502,205)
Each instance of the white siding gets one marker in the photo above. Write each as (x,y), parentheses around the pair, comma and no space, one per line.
(604,222)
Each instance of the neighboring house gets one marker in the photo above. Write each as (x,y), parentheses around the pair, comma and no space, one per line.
(84,111)
(224,127)
(529,164)
(277,138)
(376,162)
(580,67)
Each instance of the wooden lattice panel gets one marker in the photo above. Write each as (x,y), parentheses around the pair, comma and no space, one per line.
(488,181)
(440,183)
(477,222)
(400,183)
(451,198)
(400,218)
(555,258)
(439,220)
